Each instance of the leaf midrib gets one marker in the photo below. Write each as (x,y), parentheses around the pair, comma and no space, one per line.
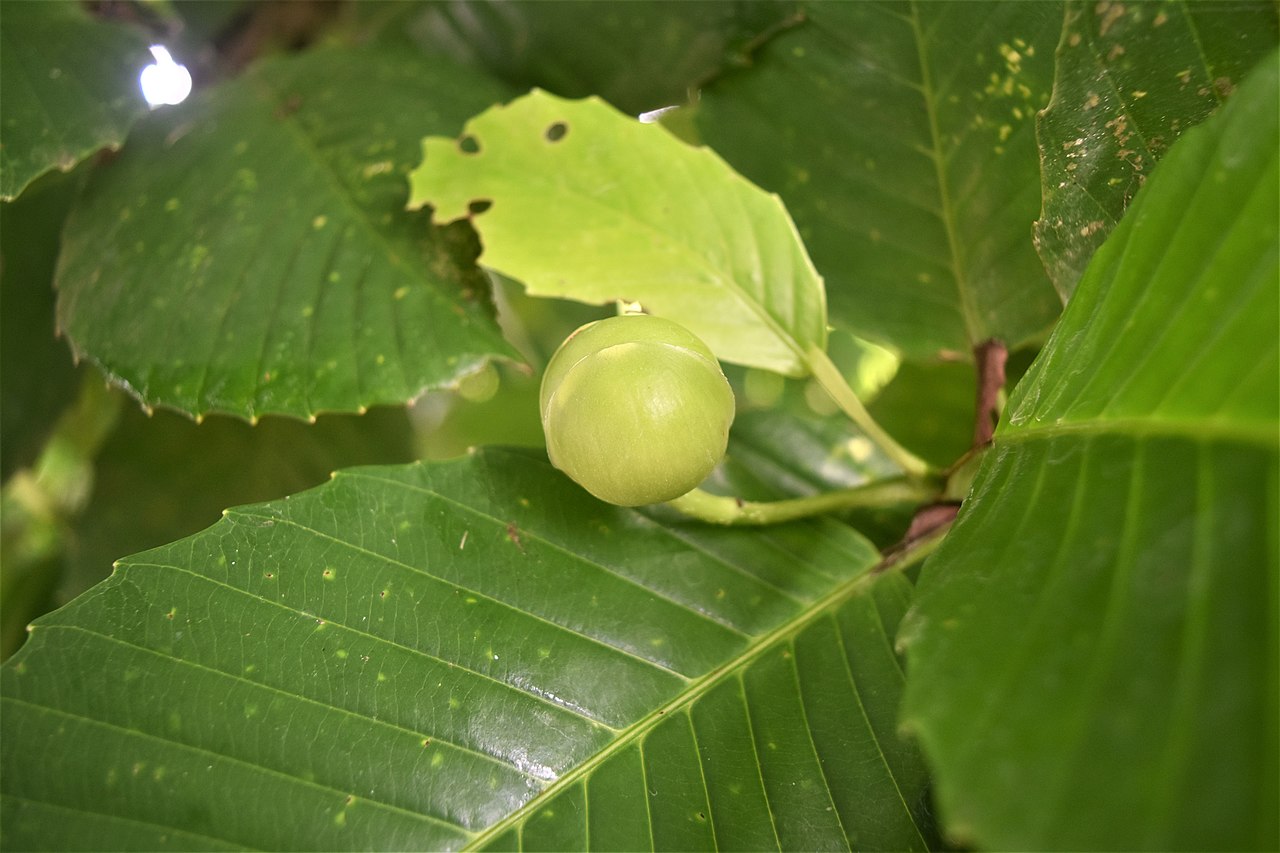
(968,312)
(696,689)
(1264,435)
(728,282)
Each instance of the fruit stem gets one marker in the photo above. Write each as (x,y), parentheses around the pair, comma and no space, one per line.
(834,383)
(717,509)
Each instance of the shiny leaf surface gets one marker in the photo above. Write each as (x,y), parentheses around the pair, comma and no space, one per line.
(249,253)
(464,654)
(1098,635)
(1131,77)
(574,199)
(70,88)
(901,137)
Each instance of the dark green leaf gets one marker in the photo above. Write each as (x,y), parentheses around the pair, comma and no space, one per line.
(1094,655)
(70,88)
(800,454)
(37,379)
(163,477)
(205,22)
(639,55)
(249,252)
(901,137)
(1130,78)
(581,201)
(462,653)
(929,408)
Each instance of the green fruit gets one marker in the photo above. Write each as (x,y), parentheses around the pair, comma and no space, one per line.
(635,409)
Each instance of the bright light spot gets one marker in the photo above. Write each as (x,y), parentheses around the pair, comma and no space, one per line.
(166,82)
(653,115)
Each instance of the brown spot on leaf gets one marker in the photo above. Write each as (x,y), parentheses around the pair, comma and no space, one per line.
(513,535)
(288,106)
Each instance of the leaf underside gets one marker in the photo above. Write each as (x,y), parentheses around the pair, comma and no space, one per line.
(1098,635)
(583,202)
(474,653)
(1131,77)
(248,252)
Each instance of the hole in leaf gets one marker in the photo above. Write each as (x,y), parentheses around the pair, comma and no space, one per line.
(557,131)
(469,145)
(480,205)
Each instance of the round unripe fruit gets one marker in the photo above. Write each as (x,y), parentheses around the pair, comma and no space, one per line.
(635,409)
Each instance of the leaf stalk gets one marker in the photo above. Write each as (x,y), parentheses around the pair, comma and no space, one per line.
(730,511)
(834,383)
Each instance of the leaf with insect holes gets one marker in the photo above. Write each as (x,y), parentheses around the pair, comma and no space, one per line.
(577,200)
(248,252)
(1130,78)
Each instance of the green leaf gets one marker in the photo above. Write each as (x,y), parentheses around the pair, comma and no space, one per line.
(161,478)
(640,55)
(37,378)
(790,452)
(798,454)
(249,252)
(929,407)
(1093,657)
(70,88)
(1131,77)
(462,654)
(901,138)
(590,204)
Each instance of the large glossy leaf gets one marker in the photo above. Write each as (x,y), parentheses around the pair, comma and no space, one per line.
(468,653)
(639,55)
(70,88)
(1093,660)
(1131,77)
(249,252)
(901,137)
(587,203)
